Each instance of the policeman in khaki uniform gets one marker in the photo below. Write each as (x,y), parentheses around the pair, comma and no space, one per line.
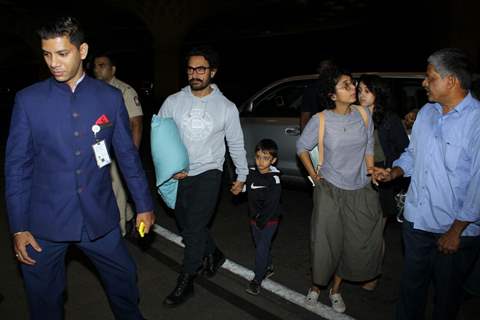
(104,69)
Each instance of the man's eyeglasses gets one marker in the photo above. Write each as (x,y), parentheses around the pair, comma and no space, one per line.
(347,85)
(198,70)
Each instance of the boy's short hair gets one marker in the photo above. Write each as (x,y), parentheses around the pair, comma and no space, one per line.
(267,145)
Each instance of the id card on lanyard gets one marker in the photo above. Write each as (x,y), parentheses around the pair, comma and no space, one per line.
(100,149)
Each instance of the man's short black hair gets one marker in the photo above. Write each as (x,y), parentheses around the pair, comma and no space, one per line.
(63,27)
(267,145)
(109,56)
(207,52)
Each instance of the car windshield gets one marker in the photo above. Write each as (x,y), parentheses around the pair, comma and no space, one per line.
(283,100)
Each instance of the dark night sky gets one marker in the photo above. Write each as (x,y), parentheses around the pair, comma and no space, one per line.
(384,37)
(265,40)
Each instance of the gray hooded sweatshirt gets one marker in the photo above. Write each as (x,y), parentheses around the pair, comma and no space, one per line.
(204,123)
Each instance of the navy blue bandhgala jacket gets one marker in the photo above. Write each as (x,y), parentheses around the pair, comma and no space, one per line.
(54,187)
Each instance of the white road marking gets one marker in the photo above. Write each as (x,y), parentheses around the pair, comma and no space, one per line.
(272,286)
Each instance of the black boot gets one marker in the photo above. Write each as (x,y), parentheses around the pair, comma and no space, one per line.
(182,291)
(213,263)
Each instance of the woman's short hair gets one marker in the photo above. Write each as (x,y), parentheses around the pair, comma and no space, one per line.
(327,82)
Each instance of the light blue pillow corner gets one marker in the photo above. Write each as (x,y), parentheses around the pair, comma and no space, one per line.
(168,192)
(169,157)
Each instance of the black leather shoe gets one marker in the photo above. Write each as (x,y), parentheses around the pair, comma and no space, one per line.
(213,263)
(182,291)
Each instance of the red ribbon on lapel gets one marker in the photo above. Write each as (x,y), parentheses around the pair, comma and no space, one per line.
(102,120)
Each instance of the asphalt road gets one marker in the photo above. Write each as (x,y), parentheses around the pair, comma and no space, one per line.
(224,296)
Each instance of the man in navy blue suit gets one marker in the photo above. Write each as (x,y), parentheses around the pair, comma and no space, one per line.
(63,133)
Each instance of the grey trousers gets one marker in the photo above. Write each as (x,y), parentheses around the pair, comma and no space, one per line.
(346,234)
(126,212)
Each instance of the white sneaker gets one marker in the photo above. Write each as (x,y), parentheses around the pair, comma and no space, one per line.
(337,302)
(312,297)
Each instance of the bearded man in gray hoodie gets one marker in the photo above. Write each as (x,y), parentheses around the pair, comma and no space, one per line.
(205,119)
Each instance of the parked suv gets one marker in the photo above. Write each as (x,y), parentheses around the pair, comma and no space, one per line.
(274,112)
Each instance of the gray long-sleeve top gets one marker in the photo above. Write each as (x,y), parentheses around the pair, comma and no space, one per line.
(346,142)
(204,124)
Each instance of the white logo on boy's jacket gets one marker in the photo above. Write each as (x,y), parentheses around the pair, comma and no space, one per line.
(253,187)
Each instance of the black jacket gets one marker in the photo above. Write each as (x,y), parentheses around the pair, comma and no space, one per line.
(264,192)
(393,138)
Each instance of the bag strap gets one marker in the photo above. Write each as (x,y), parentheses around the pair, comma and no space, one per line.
(369,160)
(363,114)
(321,134)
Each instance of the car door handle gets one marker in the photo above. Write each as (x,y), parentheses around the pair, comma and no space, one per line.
(295,131)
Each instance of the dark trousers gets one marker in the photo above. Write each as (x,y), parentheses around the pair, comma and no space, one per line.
(45,281)
(196,201)
(424,263)
(263,242)
(472,284)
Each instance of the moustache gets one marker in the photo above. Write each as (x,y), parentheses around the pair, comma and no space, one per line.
(193,80)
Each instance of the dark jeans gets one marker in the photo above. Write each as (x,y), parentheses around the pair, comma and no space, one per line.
(424,263)
(263,241)
(196,201)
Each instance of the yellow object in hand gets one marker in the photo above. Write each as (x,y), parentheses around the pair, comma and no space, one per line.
(141,229)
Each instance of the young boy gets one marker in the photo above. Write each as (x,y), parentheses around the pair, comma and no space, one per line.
(264,190)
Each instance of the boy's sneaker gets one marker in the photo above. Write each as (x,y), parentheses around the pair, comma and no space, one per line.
(253,288)
(337,302)
(312,297)
(269,272)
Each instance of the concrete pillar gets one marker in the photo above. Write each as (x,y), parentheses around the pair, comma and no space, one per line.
(167,71)
(169,22)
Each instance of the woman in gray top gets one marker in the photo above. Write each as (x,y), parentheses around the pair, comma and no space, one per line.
(346,227)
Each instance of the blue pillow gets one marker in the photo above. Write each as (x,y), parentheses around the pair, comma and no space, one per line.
(169,157)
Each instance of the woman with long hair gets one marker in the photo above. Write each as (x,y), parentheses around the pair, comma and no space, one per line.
(390,137)
(346,227)
(374,94)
